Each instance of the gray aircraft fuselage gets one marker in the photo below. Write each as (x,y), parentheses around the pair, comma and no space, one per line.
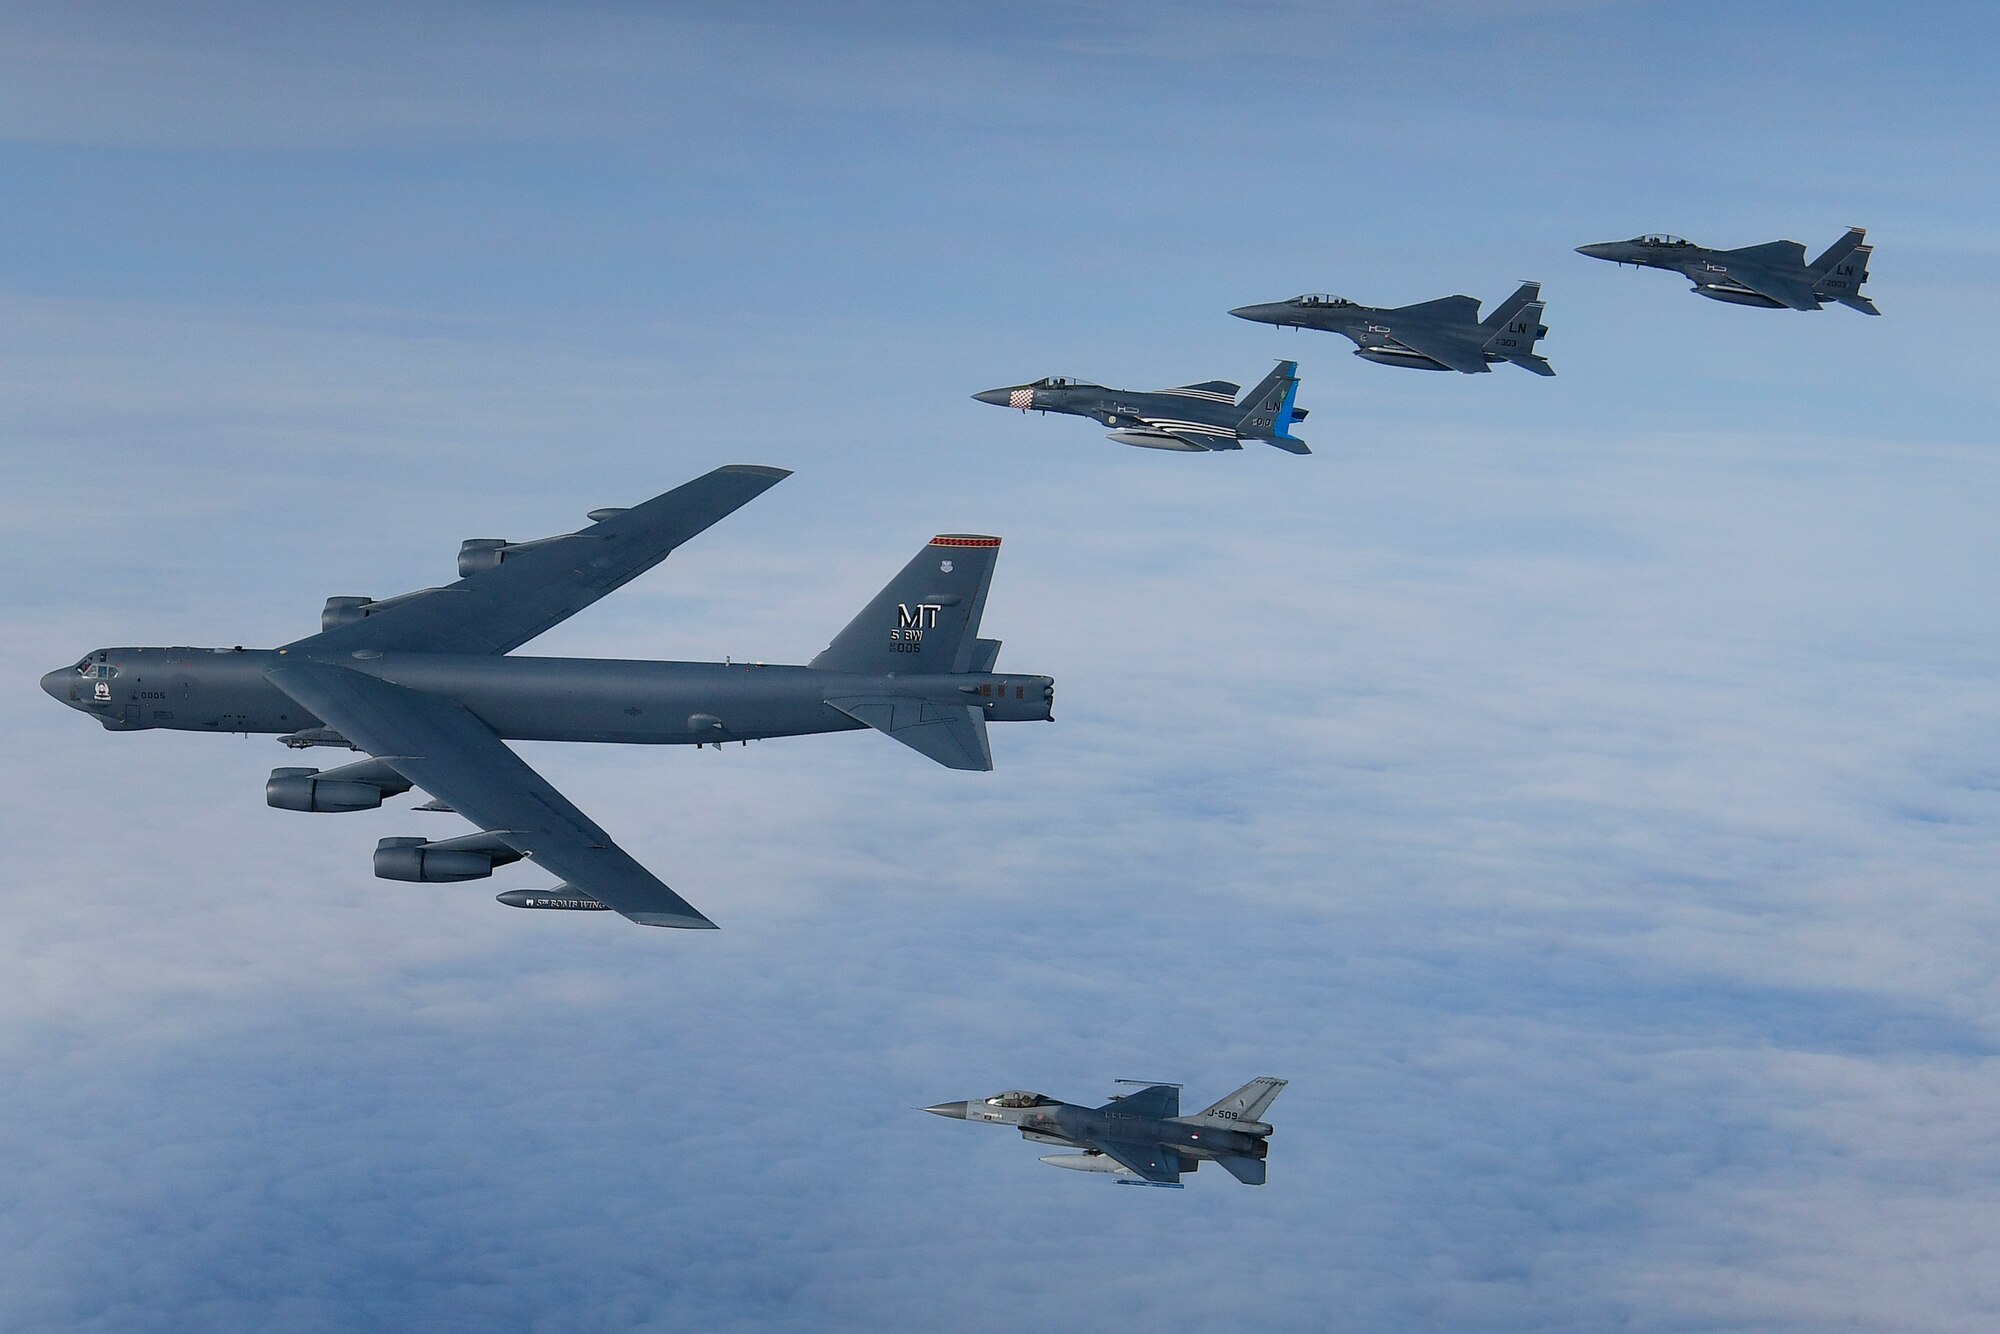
(1191,419)
(523,698)
(1772,276)
(1074,1124)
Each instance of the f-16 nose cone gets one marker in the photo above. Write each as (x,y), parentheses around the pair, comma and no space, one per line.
(997,397)
(955,1110)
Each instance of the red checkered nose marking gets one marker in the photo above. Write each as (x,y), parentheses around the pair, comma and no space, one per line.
(1022,399)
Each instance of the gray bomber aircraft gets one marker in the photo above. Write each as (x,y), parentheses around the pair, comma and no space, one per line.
(1140,1138)
(425,685)
(1774,275)
(1193,419)
(1442,335)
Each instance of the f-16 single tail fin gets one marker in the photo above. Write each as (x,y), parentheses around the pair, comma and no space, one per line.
(1515,326)
(1268,410)
(1839,273)
(1242,1110)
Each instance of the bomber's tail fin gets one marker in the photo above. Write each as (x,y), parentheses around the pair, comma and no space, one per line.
(927,619)
(1515,326)
(1839,273)
(1243,1109)
(1269,411)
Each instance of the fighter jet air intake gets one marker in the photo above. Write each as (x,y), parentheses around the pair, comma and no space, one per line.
(1442,335)
(1774,275)
(424,685)
(1193,419)
(1139,1138)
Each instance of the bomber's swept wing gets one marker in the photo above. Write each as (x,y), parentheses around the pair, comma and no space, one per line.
(440,746)
(1151,1161)
(540,585)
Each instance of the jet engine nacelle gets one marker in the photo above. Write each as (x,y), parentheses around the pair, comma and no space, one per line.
(1738,296)
(343,611)
(422,861)
(480,553)
(304,790)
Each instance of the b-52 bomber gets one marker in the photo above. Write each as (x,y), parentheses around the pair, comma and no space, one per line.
(1774,275)
(1140,1138)
(1442,335)
(424,684)
(1193,419)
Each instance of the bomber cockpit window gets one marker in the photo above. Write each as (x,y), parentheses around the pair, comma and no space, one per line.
(94,665)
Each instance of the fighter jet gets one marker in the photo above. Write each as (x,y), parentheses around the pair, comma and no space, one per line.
(1193,419)
(1140,1138)
(1774,275)
(1442,335)
(424,685)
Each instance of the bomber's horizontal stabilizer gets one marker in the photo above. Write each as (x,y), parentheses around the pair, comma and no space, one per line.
(952,734)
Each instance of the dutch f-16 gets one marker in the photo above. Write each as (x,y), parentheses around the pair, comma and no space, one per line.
(1195,418)
(1140,1138)
(1774,275)
(424,684)
(1442,335)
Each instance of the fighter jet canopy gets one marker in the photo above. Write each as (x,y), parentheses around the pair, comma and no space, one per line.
(1021,1098)
(1322,299)
(1659,240)
(1057,382)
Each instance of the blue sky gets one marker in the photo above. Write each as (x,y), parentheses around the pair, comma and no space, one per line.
(1582,790)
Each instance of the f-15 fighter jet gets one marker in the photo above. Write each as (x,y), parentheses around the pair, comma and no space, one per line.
(1140,1138)
(1442,335)
(1774,275)
(425,685)
(1193,419)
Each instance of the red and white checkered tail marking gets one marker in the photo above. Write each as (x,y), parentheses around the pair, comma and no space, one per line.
(1022,399)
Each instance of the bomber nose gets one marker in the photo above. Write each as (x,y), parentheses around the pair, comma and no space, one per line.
(955,1110)
(57,685)
(997,397)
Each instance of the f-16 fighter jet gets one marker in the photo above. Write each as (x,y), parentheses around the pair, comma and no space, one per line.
(424,684)
(1442,335)
(1774,275)
(1140,1138)
(1193,419)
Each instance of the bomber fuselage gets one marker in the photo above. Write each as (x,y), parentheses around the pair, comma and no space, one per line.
(523,698)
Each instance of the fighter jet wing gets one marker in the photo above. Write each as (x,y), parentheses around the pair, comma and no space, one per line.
(1198,434)
(1786,290)
(1439,347)
(534,588)
(443,748)
(1151,1161)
